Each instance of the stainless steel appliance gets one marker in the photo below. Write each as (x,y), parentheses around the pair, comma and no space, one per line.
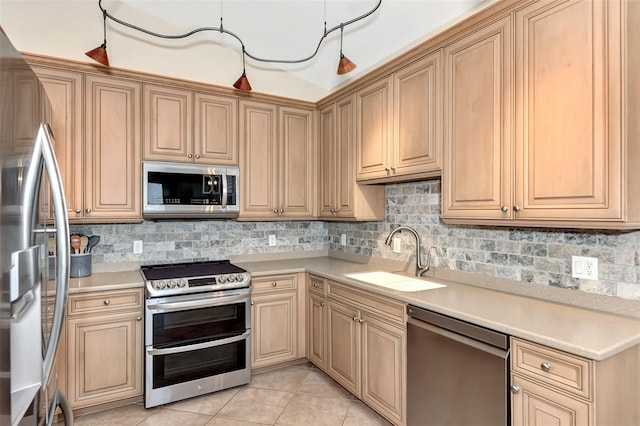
(458,372)
(174,190)
(197,329)
(30,188)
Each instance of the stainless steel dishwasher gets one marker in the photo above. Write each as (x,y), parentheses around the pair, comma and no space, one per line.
(457,372)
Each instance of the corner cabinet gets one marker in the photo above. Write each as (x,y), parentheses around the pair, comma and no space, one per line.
(317,322)
(341,197)
(278,161)
(182,125)
(552,387)
(536,130)
(104,347)
(399,126)
(277,312)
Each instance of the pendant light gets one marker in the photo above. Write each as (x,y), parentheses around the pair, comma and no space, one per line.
(99,54)
(345,65)
(243,82)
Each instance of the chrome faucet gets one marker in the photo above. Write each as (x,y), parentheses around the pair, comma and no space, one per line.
(420,269)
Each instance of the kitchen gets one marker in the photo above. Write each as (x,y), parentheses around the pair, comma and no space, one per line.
(537,259)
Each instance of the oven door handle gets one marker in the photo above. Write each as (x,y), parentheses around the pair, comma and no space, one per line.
(199,346)
(195,304)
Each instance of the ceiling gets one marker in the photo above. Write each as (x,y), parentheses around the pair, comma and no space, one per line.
(291,29)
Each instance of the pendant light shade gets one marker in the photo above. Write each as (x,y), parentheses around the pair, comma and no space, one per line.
(243,83)
(345,65)
(99,54)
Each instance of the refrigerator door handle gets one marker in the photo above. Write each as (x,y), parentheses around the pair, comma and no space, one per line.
(44,148)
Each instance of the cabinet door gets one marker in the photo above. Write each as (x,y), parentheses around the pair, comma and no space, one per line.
(258,160)
(296,168)
(328,167)
(167,124)
(476,182)
(343,351)
(64,90)
(112,150)
(417,117)
(373,133)
(383,367)
(104,358)
(568,159)
(274,318)
(345,157)
(216,129)
(316,308)
(535,405)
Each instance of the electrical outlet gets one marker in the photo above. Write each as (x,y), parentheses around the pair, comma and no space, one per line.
(137,247)
(343,239)
(584,267)
(272,240)
(397,245)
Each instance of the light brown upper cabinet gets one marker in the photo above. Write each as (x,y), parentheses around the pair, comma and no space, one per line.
(568,157)
(341,197)
(277,159)
(399,127)
(186,126)
(97,146)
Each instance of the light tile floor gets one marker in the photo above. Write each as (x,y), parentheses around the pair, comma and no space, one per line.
(298,396)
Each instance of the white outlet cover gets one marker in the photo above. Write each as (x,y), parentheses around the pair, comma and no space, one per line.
(272,240)
(137,247)
(343,239)
(397,245)
(584,267)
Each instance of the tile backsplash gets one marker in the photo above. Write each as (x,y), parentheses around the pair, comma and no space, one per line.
(536,256)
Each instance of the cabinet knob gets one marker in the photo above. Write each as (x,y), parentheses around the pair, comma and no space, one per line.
(138,318)
(504,209)
(360,320)
(355,318)
(88,210)
(78,211)
(393,169)
(516,208)
(386,169)
(197,156)
(275,211)
(545,366)
(322,304)
(315,285)
(515,389)
(189,155)
(106,302)
(252,303)
(281,211)
(273,284)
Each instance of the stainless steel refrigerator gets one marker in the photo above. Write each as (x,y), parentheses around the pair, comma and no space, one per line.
(32,216)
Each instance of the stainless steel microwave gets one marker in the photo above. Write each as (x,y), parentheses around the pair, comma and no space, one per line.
(175,190)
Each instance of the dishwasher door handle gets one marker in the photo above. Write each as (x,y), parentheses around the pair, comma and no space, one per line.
(492,350)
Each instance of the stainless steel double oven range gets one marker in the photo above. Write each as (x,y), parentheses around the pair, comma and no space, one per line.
(197,329)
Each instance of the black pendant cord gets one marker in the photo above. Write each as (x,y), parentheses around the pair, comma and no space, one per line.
(223,30)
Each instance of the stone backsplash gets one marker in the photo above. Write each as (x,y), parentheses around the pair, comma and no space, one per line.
(188,241)
(538,256)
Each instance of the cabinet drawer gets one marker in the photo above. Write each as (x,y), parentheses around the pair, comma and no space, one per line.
(105,301)
(273,282)
(565,371)
(379,305)
(317,285)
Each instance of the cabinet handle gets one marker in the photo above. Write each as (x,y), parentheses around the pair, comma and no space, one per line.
(189,155)
(515,389)
(138,318)
(545,366)
(88,210)
(281,211)
(106,302)
(273,284)
(386,169)
(322,304)
(504,209)
(355,318)
(252,303)
(360,320)
(393,169)
(275,211)
(516,208)
(78,211)
(197,156)
(315,285)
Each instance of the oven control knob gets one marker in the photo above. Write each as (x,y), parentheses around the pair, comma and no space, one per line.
(239,277)
(159,285)
(171,284)
(182,283)
(221,279)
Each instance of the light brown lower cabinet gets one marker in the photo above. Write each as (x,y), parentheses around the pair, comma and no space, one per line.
(317,322)
(277,333)
(366,348)
(104,347)
(551,387)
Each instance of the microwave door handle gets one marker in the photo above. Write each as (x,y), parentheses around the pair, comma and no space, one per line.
(195,304)
(199,346)
(44,141)
(223,182)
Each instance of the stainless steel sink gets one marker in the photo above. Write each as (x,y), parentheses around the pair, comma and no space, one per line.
(394,281)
